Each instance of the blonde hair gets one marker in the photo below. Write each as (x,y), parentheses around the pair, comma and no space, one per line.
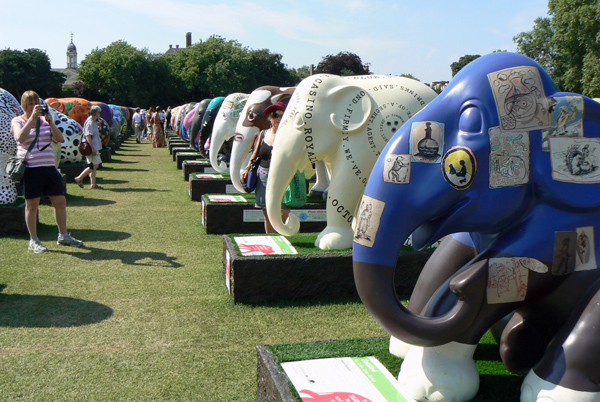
(29,96)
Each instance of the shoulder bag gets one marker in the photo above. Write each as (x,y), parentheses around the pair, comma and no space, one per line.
(252,176)
(16,165)
(84,147)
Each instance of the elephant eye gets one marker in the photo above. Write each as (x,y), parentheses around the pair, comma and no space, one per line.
(470,120)
(251,115)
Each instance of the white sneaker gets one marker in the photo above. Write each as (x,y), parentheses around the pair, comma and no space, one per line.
(69,241)
(36,246)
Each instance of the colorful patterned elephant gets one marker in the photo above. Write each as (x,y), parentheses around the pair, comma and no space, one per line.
(503,157)
(67,151)
(76,108)
(9,108)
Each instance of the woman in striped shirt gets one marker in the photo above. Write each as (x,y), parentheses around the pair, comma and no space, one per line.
(41,176)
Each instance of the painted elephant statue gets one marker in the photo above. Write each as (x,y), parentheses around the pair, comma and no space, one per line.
(185,120)
(250,124)
(195,123)
(76,108)
(106,113)
(345,122)
(224,127)
(119,125)
(208,122)
(67,151)
(512,166)
(9,109)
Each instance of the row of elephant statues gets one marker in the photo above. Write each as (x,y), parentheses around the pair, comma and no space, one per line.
(501,165)
(69,115)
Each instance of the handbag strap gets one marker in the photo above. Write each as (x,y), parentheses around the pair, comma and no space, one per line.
(37,134)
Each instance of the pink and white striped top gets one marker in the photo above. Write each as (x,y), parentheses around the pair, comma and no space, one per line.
(37,157)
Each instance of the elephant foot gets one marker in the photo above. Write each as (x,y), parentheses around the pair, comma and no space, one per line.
(536,389)
(318,193)
(335,238)
(399,348)
(442,373)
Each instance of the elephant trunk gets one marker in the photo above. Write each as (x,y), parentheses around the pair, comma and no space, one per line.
(286,159)
(216,142)
(375,285)
(242,147)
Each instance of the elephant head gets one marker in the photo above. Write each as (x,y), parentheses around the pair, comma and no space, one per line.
(193,122)
(345,122)
(251,122)
(504,156)
(224,127)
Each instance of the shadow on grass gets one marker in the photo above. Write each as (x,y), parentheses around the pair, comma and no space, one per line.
(126,169)
(82,201)
(116,160)
(136,190)
(141,258)
(43,311)
(112,181)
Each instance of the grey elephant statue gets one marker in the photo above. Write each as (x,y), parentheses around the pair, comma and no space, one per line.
(511,167)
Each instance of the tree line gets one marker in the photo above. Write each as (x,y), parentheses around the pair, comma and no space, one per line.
(566,44)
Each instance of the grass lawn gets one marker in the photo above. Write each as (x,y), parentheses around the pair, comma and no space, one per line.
(142,312)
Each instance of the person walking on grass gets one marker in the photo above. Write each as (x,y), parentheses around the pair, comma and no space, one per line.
(41,176)
(91,134)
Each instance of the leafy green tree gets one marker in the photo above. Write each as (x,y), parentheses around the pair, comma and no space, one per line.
(30,69)
(299,74)
(343,63)
(463,61)
(567,45)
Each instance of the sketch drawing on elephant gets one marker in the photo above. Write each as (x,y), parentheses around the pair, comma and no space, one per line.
(345,122)
(516,198)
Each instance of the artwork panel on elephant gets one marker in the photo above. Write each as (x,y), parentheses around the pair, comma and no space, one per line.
(459,167)
(427,141)
(369,219)
(567,118)
(520,98)
(397,169)
(507,280)
(565,251)
(509,158)
(575,159)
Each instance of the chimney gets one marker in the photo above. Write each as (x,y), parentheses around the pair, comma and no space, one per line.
(177,46)
(170,46)
(188,39)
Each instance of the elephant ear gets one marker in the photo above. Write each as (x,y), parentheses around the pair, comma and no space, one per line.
(353,95)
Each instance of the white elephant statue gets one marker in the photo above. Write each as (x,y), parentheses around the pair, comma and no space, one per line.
(9,108)
(346,122)
(224,127)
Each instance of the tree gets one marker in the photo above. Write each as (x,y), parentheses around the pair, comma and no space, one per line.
(299,74)
(463,61)
(219,67)
(30,69)
(343,63)
(567,45)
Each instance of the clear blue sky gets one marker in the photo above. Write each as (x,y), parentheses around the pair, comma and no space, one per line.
(421,37)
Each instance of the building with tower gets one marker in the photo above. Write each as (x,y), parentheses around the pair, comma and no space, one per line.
(72,68)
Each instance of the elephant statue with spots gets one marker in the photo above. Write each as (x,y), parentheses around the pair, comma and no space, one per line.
(9,108)
(510,167)
(344,122)
(224,127)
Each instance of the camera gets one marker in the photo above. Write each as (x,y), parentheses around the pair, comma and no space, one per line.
(44,109)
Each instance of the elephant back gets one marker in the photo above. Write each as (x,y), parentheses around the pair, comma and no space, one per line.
(9,108)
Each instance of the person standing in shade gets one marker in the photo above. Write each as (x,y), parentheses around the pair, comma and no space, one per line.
(92,136)
(167,118)
(41,176)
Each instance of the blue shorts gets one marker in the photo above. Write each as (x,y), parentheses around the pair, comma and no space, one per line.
(44,180)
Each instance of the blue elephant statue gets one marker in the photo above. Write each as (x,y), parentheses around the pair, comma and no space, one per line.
(509,167)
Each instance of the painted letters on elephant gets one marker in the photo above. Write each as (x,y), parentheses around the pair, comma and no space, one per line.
(345,122)
(530,211)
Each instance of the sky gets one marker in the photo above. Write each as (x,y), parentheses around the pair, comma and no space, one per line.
(421,37)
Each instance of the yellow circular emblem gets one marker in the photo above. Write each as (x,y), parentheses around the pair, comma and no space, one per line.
(459,167)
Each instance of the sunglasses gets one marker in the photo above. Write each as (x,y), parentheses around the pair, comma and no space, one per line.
(277,115)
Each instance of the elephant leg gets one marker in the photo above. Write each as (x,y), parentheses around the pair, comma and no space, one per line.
(522,344)
(441,373)
(569,370)
(446,260)
(322,182)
